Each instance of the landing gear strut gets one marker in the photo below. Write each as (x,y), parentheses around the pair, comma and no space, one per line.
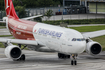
(73,59)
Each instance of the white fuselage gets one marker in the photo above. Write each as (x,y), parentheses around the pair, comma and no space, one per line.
(60,39)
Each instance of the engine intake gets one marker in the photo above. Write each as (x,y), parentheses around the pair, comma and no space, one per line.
(96,49)
(13,52)
(93,48)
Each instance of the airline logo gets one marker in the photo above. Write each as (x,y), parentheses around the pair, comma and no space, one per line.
(10,11)
(7,7)
(49,32)
(6,4)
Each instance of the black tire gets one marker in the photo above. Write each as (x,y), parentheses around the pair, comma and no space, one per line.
(59,55)
(72,62)
(63,56)
(75,62)
(22,57)
(68,56)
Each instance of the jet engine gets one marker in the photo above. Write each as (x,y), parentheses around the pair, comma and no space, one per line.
(13,52)
(93,48)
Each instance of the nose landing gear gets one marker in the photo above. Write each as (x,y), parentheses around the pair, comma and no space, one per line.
(73,59)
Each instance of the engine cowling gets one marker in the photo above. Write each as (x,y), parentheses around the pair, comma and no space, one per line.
(13,52)
(93,48)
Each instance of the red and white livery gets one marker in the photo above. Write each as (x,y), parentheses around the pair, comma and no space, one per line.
(44,38)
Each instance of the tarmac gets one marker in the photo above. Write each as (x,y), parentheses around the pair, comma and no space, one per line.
(50,61)
(4,32)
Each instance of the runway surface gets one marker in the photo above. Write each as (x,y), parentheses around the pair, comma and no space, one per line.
(4,32)
(50,61)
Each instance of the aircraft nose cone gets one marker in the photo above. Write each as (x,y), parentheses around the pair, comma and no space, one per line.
(77,48)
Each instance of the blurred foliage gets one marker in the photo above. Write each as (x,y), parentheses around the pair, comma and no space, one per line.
(2,5)
(38,3)
(49,13)
(38,19)
(77,22)
(21,11)
(33,3)
(2,24)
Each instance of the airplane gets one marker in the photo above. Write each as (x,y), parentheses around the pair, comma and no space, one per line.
(43,37)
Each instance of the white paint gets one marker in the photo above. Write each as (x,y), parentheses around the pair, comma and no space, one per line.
(7,4)
(64,44)
(22,27)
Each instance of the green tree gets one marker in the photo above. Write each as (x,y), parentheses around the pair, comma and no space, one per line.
(38,19)
(59,1)
(2,5)
(45,3)
(21,11)
(16,3)
(33,3)
(49,13)
(37,3)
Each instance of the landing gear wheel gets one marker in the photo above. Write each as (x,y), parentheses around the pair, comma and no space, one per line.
(75,62)
(72,62)
(59,55)
(22,57)
(63,56)
(68,56)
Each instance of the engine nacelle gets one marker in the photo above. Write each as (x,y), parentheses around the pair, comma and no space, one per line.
(93,48)
(13,52)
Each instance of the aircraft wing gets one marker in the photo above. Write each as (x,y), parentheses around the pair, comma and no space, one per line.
(2,22)
(19,41)
(94,34)
(32,17)
(27,18)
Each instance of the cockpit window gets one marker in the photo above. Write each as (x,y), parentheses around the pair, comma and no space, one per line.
(78,39)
